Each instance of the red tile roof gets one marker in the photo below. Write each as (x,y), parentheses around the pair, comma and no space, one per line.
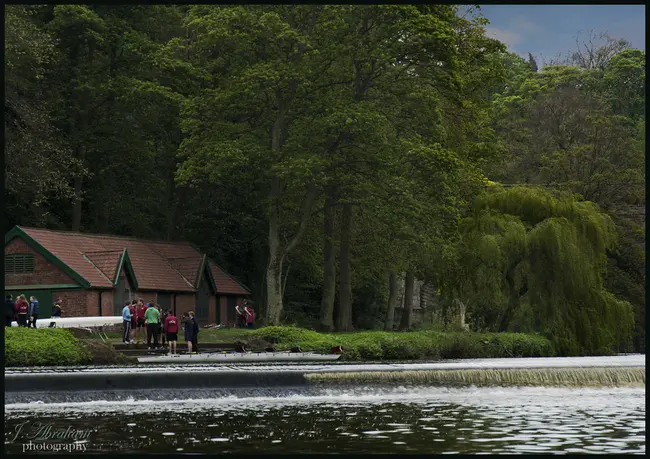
(187,267)
(106,261)
(158,265)
(225,282)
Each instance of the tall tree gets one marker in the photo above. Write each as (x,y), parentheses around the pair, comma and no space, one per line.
(38,162)
(532,63)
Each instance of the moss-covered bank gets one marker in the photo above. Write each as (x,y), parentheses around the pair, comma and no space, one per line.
(417,345)
(56,347)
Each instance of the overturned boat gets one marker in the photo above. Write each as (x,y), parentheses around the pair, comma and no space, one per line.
(76,322)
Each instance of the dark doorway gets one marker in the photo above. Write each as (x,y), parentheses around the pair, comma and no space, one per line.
(203,300)
(121,296)
(232,314)
(165,301)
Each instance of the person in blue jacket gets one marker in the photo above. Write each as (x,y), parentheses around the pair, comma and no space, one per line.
(126,323)
(33,311)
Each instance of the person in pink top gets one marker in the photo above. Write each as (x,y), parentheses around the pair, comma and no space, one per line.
(250,317)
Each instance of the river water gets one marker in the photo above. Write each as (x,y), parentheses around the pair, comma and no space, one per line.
(342,420)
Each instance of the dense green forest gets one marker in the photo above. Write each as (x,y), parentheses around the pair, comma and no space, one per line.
(333,157)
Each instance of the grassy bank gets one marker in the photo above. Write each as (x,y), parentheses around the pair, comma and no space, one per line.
(378,345)
(51,346)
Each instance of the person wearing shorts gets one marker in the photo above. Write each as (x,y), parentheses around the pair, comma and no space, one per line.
(171,331)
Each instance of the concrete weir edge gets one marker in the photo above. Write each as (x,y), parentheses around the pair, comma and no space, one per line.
(577,376)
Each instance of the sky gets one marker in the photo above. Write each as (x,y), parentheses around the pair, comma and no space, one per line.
(548,30)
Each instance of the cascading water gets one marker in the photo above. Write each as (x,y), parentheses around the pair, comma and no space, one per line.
(579,377)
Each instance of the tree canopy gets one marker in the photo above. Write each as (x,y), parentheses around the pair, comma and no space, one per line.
(334,156)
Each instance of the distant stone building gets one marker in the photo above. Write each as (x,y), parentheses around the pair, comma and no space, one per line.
(95,274)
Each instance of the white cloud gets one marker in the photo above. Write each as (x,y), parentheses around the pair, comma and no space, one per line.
(524,25)
(509,37)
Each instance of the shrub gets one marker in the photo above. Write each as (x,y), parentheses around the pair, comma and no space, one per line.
(278,335)
(41,347)
(430,345)
(57,347)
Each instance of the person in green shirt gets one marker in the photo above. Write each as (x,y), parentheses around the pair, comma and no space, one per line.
(152,317)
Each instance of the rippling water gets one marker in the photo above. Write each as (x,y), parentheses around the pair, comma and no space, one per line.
(353,420)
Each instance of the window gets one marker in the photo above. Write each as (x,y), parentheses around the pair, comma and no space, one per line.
(19,263)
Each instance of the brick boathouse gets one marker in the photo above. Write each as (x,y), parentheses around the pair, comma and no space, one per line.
(95,274)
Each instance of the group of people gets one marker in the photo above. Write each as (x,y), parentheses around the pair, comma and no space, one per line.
(24,312)
(158,323)
(245,315)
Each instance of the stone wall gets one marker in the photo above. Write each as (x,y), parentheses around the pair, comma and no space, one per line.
(108,297)
(77,304)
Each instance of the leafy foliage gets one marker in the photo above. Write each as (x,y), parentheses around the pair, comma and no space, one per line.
(259,132)
(29,347)
(409,345)
(525,246)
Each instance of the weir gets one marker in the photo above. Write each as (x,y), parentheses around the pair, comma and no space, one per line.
(143,380)
(613,372)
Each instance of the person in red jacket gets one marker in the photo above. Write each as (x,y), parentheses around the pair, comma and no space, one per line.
(141,308)
(22,308)
(171,330)
(134,321)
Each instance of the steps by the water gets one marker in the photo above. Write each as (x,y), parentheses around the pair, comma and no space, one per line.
(180,346)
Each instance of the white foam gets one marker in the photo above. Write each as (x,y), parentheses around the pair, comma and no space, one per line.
(535,398)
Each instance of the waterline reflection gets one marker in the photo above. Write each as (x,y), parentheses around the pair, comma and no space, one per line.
(363,420)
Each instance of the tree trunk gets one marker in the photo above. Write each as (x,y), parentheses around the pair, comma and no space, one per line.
(76,208)
(405,324)
(344,318)
(274,268)
(326,323)
(392,300)
(513,302)
(277,253)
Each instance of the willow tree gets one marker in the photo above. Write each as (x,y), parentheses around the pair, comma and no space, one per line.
(534,261)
